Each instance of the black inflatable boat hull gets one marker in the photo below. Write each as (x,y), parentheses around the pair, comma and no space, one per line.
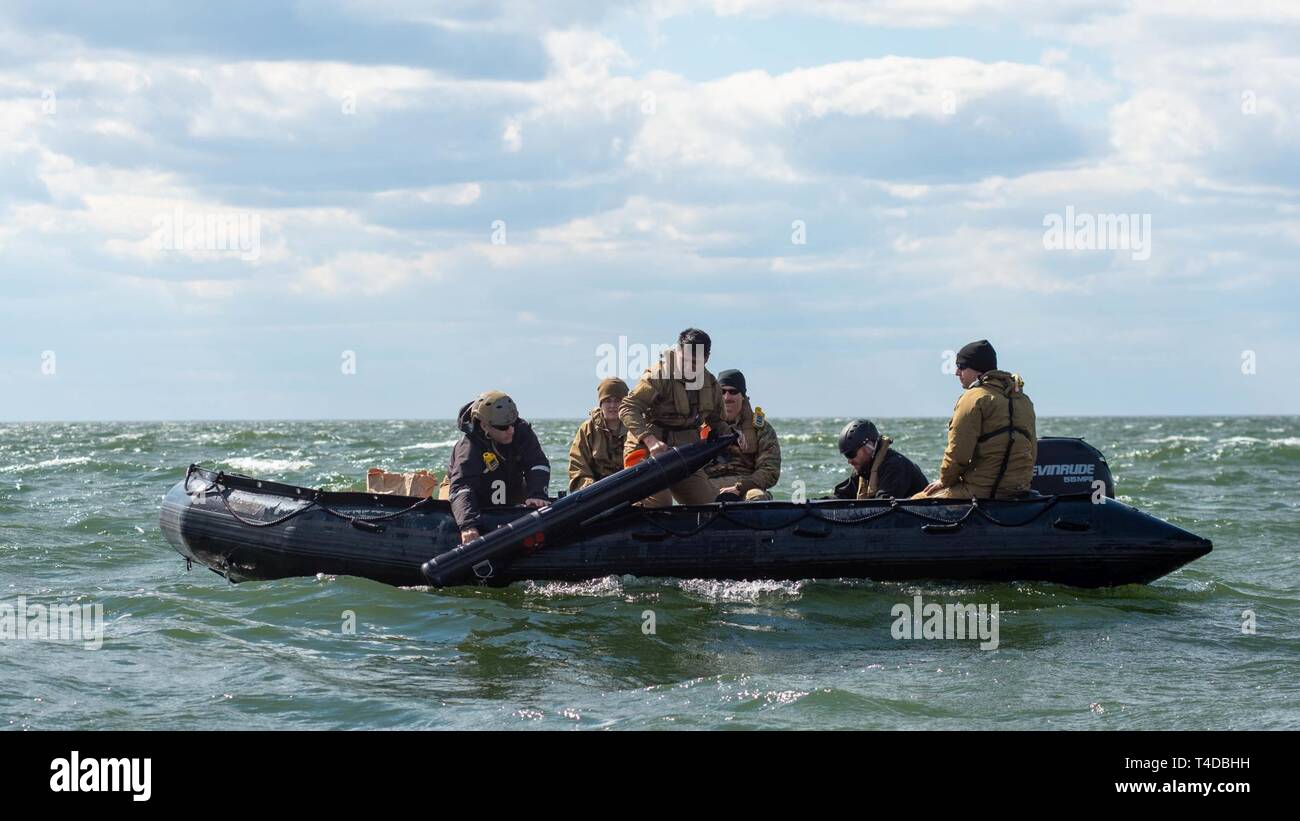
(1066,539)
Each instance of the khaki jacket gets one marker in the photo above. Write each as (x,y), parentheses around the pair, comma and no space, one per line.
(758,466)
(978,436)
(596,451)
(661,401)
(869,485)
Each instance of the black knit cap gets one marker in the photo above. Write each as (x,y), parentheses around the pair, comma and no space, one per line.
(733,379)
(978,355)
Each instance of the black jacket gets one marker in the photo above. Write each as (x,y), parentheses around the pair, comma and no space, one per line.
(521,466)
(899,478)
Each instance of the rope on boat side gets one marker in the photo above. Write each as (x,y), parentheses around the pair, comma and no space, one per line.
(723,513)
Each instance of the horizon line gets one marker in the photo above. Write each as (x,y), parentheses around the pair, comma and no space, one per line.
(450,420)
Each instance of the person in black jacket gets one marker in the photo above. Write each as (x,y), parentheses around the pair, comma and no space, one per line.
(497,462)
(878,472)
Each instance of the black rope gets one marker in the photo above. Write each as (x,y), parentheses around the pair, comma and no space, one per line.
(1050,502)
(647,514)
(215,486)
(225,492)
(894,507)
(723,513)
(939,520)
(871,517)
(373,519)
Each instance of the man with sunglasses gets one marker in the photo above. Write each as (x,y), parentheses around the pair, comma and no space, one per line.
(498,461)
(992,438)
(878,471)
(667,408)
(754,469)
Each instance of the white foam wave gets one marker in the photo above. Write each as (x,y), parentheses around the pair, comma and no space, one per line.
(750,591)
(48,463)
(802,437)
(607,586)
(430,445)
(126,437)
(255,464)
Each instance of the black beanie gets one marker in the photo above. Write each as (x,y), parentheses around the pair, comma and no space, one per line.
(733,379)
(978,355)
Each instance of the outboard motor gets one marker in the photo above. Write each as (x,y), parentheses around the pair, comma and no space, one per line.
(1069,465)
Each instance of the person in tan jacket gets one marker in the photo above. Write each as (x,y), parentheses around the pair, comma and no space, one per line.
(992,438)
(673,398)
(753,470)
(597,449)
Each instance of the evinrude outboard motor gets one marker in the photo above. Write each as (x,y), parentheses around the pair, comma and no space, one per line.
(1069,465)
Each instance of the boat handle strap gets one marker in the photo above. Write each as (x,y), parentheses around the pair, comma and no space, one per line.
(951,527)
(1071,524)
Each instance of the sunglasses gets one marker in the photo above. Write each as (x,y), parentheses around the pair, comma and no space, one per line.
(962,367)
(730,392)
(503,428)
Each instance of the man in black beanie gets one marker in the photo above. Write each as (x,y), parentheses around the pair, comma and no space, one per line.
(992,438)
(754,467)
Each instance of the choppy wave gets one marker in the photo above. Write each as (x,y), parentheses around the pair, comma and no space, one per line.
(48,463)
(607,586)
(263,465)
(741,591)
(80,524)
(430,445)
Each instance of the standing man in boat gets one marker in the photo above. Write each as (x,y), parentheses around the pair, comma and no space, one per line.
(878,471)
(668,406)
(498,461)
(597,449)
(756,468)
(992,438)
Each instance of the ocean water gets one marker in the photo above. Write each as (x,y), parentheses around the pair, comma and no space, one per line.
(79,524)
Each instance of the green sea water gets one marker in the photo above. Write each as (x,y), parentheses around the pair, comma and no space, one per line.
(184,650)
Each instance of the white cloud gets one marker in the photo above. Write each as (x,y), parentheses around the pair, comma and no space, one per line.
(368,274)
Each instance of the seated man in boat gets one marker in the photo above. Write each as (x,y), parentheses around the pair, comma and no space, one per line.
(667,408)
(597,449)
(754,469)
(878,471)
(992,438)
(497,462)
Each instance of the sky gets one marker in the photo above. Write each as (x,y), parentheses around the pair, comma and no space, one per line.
(379,209)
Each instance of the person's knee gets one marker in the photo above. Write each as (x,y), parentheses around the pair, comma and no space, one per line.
(694,490)
(717,483)
(661,499)
(958,491)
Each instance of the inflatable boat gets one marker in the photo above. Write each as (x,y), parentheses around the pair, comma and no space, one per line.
(1071,531)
